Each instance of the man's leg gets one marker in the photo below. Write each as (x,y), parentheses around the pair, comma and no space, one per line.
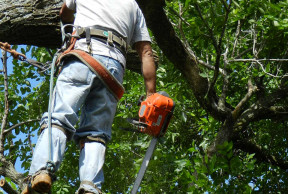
(91,167)
(96,121)
(72,87)
(43,179)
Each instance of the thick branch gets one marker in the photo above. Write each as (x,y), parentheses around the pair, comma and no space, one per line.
(264,109)
(261,154)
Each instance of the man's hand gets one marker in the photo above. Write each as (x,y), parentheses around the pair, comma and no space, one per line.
(144,50)
(66,14)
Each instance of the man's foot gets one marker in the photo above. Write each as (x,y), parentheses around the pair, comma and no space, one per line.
(42,182)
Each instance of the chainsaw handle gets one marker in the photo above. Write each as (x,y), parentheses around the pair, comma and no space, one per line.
(141,99)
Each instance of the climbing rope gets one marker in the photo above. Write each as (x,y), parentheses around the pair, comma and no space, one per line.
(50,166)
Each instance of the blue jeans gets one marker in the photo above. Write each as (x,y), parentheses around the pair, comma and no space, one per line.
(77,87)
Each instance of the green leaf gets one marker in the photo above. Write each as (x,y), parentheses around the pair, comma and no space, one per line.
(276,23)
(184,116)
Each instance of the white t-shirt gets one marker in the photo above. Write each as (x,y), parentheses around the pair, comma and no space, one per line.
(123,16)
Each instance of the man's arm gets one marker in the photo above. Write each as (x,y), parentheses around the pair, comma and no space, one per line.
(144,50)
(66,14)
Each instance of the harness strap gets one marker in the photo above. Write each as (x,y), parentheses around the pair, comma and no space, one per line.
(65,131)
(109,36)
(98,139)
(99,69)
(88,39)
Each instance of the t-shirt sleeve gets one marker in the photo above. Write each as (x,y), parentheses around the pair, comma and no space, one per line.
(71,4)
(140,31)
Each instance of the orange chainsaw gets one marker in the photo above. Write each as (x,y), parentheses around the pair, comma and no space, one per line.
(154,116)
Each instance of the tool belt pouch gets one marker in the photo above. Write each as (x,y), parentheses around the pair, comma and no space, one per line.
(156,112)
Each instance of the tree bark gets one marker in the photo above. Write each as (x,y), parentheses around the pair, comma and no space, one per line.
(30,22)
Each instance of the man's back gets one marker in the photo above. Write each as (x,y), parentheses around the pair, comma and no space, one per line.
(119,15)
(122,16)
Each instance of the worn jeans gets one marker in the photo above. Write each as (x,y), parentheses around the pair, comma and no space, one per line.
(78,88)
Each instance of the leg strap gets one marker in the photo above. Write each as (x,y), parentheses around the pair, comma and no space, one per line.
(98,139)
(65,131)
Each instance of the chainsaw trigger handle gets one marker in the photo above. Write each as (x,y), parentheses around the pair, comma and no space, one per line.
(141,99)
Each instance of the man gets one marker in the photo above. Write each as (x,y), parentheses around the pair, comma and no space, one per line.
(78,87)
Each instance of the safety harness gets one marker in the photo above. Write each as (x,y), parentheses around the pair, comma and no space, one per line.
(97,67)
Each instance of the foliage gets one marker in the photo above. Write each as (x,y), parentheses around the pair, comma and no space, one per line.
(255,29)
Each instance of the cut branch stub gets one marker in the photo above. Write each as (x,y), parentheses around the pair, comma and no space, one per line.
(6,187)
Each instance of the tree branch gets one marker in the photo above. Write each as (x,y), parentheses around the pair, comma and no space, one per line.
(219,50)
(6,102)
(221,103)
(251,89)
(6,131)
(261,154)
(211,67)
(211,34)
(179,16)
(257,60)
(7,169)
(186,43)
(264,108)
(236,38)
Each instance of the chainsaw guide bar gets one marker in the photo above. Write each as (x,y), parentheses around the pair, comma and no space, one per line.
(154,117)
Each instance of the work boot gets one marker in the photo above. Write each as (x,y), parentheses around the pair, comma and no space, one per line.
(41,182)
